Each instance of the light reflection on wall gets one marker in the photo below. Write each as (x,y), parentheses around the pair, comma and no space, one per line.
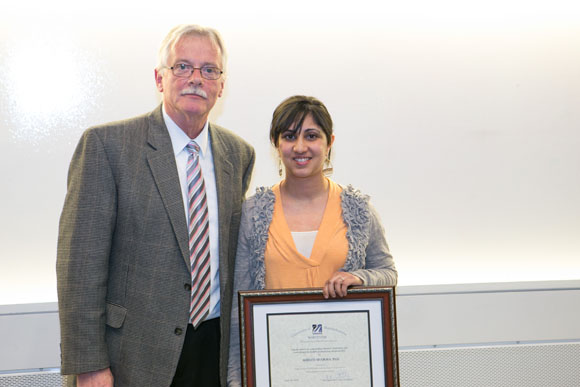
(48,87)
(52,85)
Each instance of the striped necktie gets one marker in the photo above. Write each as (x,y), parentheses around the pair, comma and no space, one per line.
(198,238)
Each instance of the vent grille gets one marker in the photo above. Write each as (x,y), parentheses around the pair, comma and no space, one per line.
(32,379)
(537,365)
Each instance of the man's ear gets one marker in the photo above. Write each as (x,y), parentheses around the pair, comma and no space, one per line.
(223,82)
(159,80)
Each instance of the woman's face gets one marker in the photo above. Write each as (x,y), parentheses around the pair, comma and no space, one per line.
(303,153)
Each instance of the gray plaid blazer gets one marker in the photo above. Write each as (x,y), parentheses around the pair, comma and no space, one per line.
(123,262)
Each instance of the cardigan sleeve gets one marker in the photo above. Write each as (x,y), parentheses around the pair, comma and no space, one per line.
(379,268)
(242,281)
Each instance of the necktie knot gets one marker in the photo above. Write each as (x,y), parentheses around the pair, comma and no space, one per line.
(193,148)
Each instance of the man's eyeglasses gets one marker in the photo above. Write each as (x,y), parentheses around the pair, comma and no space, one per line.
(184,70)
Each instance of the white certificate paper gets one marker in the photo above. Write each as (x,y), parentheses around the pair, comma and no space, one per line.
(317,349)
(344,348)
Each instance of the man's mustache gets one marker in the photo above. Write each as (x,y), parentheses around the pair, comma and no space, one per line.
(194,91)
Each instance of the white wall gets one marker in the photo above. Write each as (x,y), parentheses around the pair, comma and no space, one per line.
(460,118)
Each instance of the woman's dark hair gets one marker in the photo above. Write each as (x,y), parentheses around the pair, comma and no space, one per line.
(293,111)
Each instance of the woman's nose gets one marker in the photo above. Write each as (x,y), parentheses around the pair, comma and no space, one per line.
(299,145)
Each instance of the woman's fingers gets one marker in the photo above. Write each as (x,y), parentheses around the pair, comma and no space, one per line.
(338,284)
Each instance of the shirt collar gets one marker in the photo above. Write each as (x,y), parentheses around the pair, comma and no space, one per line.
(179,139)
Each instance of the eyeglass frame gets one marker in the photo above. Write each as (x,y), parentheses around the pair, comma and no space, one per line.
(218,71)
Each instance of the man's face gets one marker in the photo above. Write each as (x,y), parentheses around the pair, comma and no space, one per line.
(181,101)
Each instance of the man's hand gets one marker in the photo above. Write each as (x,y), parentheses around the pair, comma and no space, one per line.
(339,283)
(101,378)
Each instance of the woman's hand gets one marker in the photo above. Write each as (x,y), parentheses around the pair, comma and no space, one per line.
(339,283)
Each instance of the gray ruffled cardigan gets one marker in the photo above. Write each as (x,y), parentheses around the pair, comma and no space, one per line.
(368,253)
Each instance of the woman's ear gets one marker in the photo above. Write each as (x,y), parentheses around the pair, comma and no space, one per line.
(331,141)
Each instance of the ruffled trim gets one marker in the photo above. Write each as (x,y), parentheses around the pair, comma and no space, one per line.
(261,218)
(355,213)
(356,216)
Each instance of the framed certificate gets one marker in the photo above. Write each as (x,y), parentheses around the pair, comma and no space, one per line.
(297,338)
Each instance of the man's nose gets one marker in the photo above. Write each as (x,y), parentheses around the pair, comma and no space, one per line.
(195,76)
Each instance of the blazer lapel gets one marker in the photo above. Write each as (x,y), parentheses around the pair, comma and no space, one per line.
(223,172)
(161,160)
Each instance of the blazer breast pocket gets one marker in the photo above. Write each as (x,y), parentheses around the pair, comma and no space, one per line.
(115,315)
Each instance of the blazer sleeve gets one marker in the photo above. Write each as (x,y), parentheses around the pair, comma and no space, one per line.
(242,281)
(86,225)
(379,263)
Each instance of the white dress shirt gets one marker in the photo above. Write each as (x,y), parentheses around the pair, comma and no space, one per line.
(179,141)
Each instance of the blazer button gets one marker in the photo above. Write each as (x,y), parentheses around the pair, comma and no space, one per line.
(187,287)
(178,331)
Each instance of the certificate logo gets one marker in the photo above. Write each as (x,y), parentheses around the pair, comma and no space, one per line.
(316,329)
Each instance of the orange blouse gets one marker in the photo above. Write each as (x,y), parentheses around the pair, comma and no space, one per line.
(286,267)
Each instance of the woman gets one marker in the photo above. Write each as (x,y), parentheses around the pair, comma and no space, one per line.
(306,231)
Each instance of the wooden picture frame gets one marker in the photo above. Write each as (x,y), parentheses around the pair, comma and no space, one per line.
(295,337)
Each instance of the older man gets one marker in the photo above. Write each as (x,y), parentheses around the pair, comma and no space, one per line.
(148,232)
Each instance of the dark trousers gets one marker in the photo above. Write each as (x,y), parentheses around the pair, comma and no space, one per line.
(199,361)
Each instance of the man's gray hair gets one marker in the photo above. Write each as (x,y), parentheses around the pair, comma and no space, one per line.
(188,30)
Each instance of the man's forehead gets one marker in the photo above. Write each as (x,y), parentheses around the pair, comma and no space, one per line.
(211,45)
(202,39)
